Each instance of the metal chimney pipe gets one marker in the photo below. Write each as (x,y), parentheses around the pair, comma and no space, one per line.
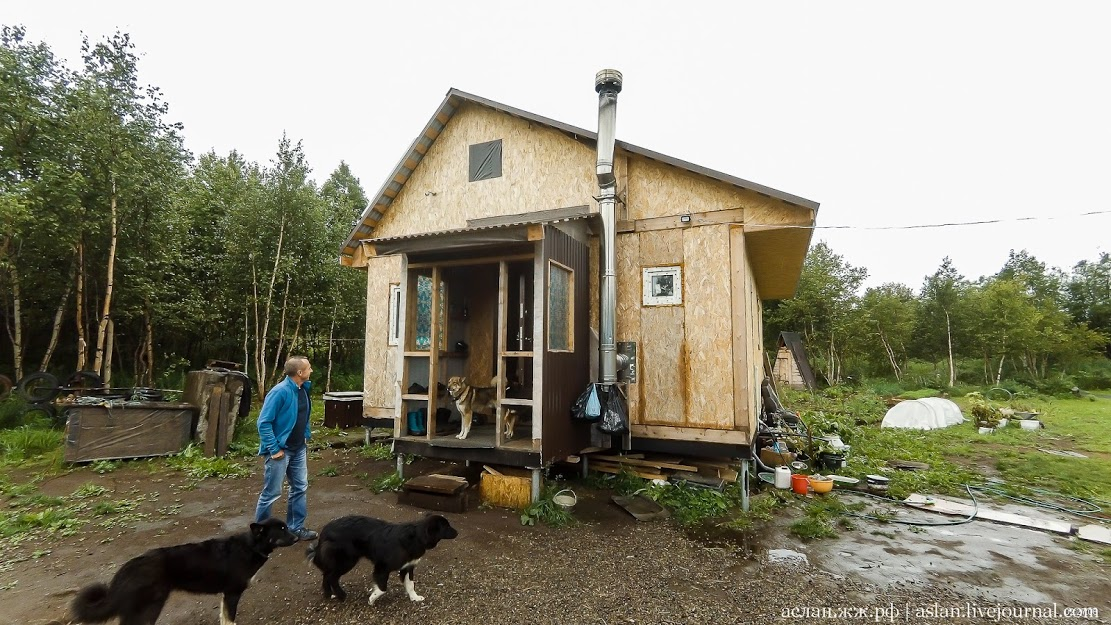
(608,84)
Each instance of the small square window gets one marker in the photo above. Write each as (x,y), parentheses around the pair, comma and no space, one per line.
(485,162)
(663,286)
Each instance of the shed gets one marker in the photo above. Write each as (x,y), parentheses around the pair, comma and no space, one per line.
(483,258)
(792,367)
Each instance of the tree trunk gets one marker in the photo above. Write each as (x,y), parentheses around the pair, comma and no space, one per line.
(281,333)
(109,341)
(15,328)
(150,350)
(296,330)
(56,329)
(261,339)
(105,317)
(891,356)
(259,365)
(949,338)
(82,344)
(246,335)
(331,333)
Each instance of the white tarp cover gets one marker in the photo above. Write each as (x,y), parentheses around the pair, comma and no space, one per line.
(923,414)
(950,411)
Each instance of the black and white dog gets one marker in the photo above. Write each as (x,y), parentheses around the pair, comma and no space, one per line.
(140,588)
(389,546)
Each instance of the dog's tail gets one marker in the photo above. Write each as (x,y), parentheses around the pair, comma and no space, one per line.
(310,553)
(93,604)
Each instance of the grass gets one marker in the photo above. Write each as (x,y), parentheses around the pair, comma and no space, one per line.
(21,444)
(377,451)
(546,510)
(196,465)
(958,455)
(387,482)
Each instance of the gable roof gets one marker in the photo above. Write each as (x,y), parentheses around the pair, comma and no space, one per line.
(793,342)
(385,196)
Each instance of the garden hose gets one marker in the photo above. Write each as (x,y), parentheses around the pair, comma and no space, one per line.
(969,518)
(1087,512)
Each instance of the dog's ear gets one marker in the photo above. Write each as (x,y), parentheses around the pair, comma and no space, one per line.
(258,530)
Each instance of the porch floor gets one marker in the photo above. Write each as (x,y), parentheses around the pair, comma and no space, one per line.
(481,437)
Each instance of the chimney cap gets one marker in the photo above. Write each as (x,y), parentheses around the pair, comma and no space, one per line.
(608,80)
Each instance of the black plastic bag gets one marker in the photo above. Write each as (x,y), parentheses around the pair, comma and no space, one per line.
(587,407)
(615,418)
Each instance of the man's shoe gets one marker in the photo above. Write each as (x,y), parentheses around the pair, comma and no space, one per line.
(305,534)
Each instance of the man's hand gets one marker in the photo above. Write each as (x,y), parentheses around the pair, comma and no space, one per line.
(278,456)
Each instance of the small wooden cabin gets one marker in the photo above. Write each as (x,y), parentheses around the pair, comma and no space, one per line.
(792,367)
(482,258)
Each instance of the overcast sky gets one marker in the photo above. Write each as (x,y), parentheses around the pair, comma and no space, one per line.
(886,113)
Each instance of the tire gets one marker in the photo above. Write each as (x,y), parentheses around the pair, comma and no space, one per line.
(5,387)
(84,380)
(39,387)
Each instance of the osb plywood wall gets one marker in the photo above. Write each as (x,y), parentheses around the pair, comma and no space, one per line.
(658,190)
(379,364)
(541,169)
(755,329)
(709,327)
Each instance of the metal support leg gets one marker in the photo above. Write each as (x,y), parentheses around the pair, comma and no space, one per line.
(744,484)
(401,466)
(535,485)
(586,468)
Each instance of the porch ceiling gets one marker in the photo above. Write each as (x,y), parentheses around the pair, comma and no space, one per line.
(777,255)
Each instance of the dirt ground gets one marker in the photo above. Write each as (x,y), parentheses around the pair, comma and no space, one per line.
(608,569)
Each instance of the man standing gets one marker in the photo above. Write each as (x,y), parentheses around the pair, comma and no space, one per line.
(283,429)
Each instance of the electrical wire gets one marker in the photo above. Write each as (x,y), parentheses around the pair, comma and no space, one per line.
(968,519)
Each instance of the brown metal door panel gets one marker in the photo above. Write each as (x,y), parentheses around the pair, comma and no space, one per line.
(565,373)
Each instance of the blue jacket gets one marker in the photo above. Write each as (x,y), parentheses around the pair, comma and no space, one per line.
(279,415)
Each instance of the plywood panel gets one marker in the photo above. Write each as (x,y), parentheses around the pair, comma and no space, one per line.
(755,345)
(541,169)
(663,366)
(708,323)
(628,307)
(656,190)
(481,292)
(742,323)
(661,247)
(379,357)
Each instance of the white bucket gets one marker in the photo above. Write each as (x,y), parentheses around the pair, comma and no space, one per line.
(565,501)
(783,477)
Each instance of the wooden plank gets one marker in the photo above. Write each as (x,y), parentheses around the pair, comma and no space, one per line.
(434,484)
(434,353)
(463,262)
(644,463)
(690,434)
(955,508)
(535,232)
(728,216)
(215,405)
(739,315)
(499,345)
(609,468)
(1094,533)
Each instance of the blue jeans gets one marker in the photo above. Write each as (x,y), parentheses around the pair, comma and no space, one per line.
(291,466)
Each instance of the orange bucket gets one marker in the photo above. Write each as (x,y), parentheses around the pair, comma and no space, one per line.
(799,483)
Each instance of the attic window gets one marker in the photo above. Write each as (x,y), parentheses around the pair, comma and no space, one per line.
(485,161)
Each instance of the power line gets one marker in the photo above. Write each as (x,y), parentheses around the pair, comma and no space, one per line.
(941,225)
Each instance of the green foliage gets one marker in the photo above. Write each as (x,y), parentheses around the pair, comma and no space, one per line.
(376,451)
(11,411)
(25,443)
(387,482)
(61,521)
(104,466)
(547,511)
(761,510)
(690,505)
(88,490)
(329,471)
(196,465)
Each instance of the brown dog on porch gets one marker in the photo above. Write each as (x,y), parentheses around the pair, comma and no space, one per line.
(471,399)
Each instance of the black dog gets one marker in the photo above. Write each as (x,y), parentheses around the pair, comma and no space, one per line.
(219,565)
(390,546)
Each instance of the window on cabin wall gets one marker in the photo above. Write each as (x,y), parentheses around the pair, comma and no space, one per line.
(423,336)
(395,314)
(485,161)
(561,306)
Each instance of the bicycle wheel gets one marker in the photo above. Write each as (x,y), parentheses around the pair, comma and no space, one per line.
(39,387)
(84,380)
(41,411)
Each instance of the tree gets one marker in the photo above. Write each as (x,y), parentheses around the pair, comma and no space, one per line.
(888,314)
(822,307)
(942,299)
(1088,296)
